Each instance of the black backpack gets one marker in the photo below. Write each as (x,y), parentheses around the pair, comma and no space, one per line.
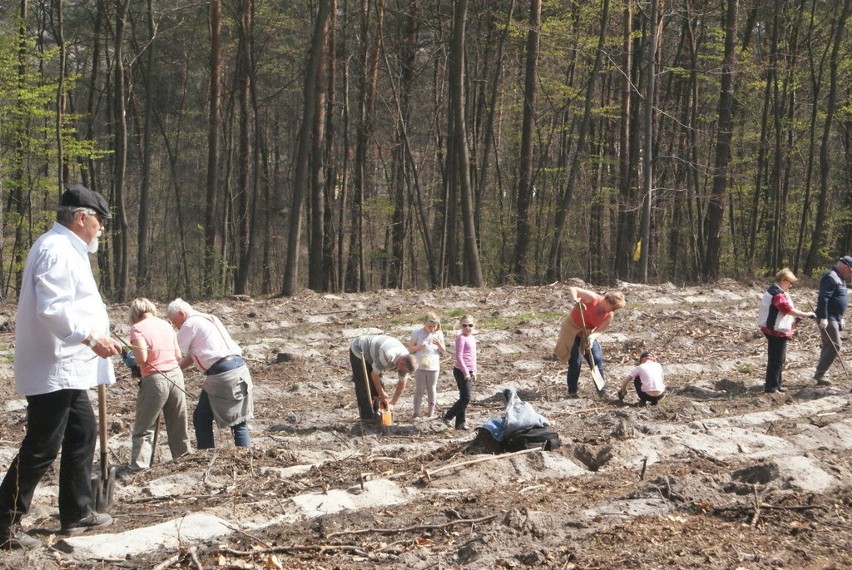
(531,438)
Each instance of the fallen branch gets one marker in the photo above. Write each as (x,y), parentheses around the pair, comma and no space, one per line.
(429,474)
(297,548)
(756,506)
(168,562)
(412,528)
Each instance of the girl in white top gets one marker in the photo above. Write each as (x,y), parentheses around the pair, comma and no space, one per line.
(427,345)
(647,379)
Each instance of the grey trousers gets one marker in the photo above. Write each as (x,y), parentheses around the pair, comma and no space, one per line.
(830,350)
(159,392)
(425,382)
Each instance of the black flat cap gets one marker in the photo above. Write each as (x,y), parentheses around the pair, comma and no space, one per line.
(78,196)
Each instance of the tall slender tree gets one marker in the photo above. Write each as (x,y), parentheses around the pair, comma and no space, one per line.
(300,179)
(525,174)
(724,134)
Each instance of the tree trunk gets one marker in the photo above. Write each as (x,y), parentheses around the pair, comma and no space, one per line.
(317,162)
(625,223)
(400,154)
(61,97)
(300,178)
(145,187)
(647,151)
(553,271)
(356,277)
(214,126)
(525,167)
(715,209)
(818,236)
(472,268)
(120,231)
(244,195)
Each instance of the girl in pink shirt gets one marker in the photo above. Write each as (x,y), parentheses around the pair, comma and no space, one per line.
(464,372)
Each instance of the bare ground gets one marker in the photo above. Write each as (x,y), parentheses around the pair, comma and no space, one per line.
(719,475)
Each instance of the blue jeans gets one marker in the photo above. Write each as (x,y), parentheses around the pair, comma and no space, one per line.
(576,360)
(202,420)
(460,407)
(57,420)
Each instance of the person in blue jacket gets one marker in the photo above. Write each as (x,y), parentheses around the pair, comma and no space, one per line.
(831,304)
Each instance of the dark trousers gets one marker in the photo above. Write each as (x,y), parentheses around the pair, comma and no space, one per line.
(202,421)
(576,360)
(365,398)
(59,420)
(831,345)
(643,396)
(777,356)
(459,408)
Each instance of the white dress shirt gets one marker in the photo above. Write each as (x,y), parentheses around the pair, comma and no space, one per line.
(59,305)
(205,338)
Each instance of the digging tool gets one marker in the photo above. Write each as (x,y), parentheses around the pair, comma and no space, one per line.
(102,488)
(154,441)
(834,346)
(597,378)
(158,371)
(837,353)
(366,380)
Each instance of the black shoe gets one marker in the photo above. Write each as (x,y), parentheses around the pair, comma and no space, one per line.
(572,395)
(822,381)
(90,521)
(781,389)
(461,427)
(770,390)
(13,538)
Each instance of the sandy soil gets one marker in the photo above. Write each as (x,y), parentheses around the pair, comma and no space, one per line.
(719,475)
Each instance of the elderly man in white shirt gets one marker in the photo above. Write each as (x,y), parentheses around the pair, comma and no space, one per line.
(62,349)
(226,395)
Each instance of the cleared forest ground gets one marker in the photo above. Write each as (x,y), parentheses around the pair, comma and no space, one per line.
(719,475)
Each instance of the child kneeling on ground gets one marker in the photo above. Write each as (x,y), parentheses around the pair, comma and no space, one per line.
(648,380)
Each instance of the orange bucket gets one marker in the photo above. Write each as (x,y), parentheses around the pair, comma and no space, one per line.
(385,416)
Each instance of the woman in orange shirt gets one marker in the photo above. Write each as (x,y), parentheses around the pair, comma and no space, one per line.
(592,314)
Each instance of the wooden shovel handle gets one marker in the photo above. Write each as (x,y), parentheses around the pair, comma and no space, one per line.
(102,420)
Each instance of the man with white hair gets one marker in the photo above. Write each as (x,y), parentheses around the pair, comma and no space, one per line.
(62,349)
(226,395)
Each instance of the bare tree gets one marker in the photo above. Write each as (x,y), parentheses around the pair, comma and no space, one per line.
(818,236)
(214,126)
(473,270)
(724,133)
(120,233)
(300,178)
(525,174)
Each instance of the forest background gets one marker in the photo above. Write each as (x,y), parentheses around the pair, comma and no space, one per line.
(259,147)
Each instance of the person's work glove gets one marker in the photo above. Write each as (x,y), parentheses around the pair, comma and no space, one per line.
(128,358)
(622,392)
(842,322)
(823,323)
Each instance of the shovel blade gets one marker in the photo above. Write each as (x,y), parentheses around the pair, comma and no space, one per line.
(102,490)
(600,383)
